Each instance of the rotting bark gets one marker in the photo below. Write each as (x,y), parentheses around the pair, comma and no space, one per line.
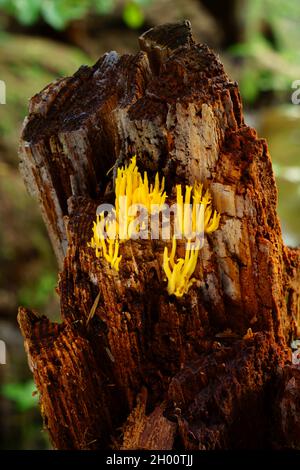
(146,360)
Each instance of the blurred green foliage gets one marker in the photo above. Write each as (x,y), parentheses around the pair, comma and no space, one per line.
(280,125)
(271,58)
(58,13)
(37,295)
(24,395)
(28,270)
(133,15)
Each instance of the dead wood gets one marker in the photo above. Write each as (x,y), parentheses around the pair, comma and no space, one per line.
(169,372)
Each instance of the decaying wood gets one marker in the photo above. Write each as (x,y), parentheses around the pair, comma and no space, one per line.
(152,432)
(209,384)
(286,408)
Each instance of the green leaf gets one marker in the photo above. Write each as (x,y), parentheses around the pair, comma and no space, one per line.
(7,5)
(249,85)
(27,11)
(58,13)
(21,394)
(37,294)
(103,7)
(133,15)
(144,2)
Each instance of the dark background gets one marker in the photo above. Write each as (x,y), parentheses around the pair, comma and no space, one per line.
(259,43)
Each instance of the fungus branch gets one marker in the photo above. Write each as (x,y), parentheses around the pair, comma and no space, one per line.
(193,217)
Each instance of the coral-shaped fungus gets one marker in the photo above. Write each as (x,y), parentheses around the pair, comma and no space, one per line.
(194,215)
(190,219)
(179,273)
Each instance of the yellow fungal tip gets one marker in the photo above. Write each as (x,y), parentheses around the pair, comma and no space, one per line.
(134,189)
(179,275)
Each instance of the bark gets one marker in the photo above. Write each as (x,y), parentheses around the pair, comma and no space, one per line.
(201,368)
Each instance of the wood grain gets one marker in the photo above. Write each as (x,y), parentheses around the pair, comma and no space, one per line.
(172,105)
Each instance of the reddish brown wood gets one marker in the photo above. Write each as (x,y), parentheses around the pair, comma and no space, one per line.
(208,382)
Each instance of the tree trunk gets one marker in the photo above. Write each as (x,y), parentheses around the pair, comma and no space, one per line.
(149,370)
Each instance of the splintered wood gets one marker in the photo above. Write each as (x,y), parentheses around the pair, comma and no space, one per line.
(172,105)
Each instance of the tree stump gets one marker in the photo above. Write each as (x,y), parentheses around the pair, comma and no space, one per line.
(149,370)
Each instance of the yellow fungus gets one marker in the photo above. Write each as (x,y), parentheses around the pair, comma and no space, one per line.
(179,273)
(130,189)
(191,219)
(194,216)
(108,247)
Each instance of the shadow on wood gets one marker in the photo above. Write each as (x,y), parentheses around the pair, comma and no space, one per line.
(151,371)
